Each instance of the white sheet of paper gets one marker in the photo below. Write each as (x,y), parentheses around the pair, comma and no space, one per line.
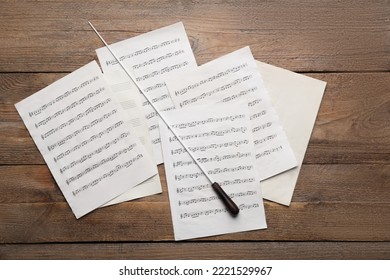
(296,98)
(220,138)
(78,127)
(151,57)
(128,96)
(228,79)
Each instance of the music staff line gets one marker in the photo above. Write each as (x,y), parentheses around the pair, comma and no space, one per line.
(233,69)
(216,158)
(220,89)
(110,158)
(240,94)
(119,167)
(62,96)
(143,51)
(158,59)
(232,130)
(222,183)
(269,152)
(82,129)
(216,170)
(69,107)
(215,211)
(95,152)
(211,146)
(76,118)
(214,197)
(87,141)
(164,70)
(207,121)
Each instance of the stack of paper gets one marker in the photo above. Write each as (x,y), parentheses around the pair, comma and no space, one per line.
(151,57)
(229,79)
(82,132)
(244,121)
(220,137)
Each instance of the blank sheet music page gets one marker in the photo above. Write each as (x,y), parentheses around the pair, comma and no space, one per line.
(220,138)
(127,94)
(297,100)
(79,129)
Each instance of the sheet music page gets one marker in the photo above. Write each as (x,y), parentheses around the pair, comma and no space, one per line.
(128,96)
(80,131)
(296,100)
(151,57)
(228,79)
(220,138)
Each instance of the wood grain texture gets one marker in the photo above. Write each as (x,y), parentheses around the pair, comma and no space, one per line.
(200,251)
(317,183)
(352,125)
(306,36)
(151,221)
(341,205)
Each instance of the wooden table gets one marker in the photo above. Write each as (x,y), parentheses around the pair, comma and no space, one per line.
(341,205)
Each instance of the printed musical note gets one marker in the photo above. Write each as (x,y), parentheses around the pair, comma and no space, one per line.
(151,57)
(231,78)
(127,94)
(220,138)
(92,152)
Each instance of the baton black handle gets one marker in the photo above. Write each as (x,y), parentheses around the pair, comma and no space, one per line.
(231,206)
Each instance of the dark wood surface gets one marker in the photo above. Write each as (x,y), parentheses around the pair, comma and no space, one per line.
(341,205)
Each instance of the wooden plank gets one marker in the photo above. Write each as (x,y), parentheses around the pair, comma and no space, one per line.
(304,14)
(300,36)
(151,221)
(17,145)
(21,86)
(352,125)
(342,192)
(35,184)
(326,183)
(343,183)
(200,251)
